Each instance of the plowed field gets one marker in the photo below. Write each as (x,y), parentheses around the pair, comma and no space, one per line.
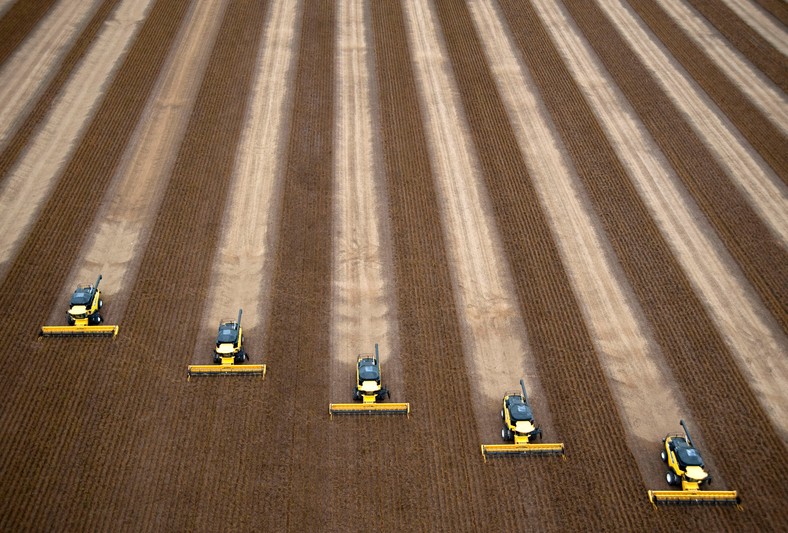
(587,195)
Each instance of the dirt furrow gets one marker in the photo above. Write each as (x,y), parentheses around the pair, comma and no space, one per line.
(36,274)
(42,163)
(760,90)
(37,57)
(776,8)
(38,111)
(742,199)
(699,360)
(297,338)
(765,136)
(649,402)
(754,34)
(161,325)
(121,227)
(564,361)
(442,478)
(731,302)
(17,23)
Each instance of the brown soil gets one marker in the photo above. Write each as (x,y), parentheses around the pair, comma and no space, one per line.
(108,435)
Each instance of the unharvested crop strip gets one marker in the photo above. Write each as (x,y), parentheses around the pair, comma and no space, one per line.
(753,45)
(297,337)
(761,133)
(21,136)
(565,355)
(441,485)
(753,244)
(18,22)
(174,273)
(55,240)
(777,8)
(695,351)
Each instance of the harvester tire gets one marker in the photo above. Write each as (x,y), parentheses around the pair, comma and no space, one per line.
(101,304)
(502,415)
(672,479)
(664,456)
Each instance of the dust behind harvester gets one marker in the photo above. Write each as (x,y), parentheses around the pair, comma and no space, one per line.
(369,392)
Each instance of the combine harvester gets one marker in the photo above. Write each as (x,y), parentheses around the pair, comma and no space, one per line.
(519,428)
(687,469)
(369,392)
(83,316)
(229,354)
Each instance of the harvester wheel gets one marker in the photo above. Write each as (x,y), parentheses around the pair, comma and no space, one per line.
(502,415)
(664,456)
(101,304)
(672,479)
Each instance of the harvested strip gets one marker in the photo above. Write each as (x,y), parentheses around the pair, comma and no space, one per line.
(493,332)
(631,358)
(363,308)
(17,23)
(761,23)
(4,5)
(759,90)
(776,8)
(38,111)
(37,56)
(297,337)
(243,263)
(564,356)
(121,228)
(695,351)
(55,240)
(701,151)
(432,481)
(762,134)
(174,273)
(736,310)
(34,177)
(766,53)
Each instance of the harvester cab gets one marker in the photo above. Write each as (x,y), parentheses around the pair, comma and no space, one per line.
(229,343)
(83,315)
(687,470)
(229,353)
(369,391)
(520,429)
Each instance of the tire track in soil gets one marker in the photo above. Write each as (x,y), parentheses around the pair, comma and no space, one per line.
(733,305)
(564,352)
(758,49)
(757,247)
(18,22)
(160,447)
(697,355)
(27,126)
(62,379)
(762,134)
